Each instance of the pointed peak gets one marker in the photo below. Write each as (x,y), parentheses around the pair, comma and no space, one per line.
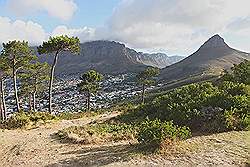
(214,42)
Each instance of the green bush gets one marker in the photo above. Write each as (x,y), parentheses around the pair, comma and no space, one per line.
(188,106)
(23,119)
(234,120)
(156,131)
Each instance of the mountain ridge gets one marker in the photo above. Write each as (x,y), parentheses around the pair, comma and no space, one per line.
(212,57)
(107,57)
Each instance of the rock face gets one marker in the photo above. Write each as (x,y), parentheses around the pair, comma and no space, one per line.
(212,57)
(159,60)
(106,57)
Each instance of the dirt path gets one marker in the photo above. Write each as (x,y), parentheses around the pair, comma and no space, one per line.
(36,148)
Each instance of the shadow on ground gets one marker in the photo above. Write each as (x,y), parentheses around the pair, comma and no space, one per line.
(98,156)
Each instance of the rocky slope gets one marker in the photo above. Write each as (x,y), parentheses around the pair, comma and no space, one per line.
(212,57)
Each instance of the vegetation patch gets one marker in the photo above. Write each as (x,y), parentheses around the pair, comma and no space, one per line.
(97,133)
(27,119)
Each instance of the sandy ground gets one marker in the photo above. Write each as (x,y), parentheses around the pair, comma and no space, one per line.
(37,148)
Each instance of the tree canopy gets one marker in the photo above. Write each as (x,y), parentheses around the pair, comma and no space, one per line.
(146,77)
(59,44)
(90,81)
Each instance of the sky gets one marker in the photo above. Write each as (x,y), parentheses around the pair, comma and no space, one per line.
(175,27)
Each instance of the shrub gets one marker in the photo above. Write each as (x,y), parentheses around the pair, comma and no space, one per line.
(186,106)
(18,120)
(97,133)
(156,131)
(234,120)
(23,119)
(235,88)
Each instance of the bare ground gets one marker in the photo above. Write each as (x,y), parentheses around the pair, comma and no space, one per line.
(36,148)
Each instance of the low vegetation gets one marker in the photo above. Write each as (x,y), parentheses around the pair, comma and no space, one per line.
(97,133)
(27,120)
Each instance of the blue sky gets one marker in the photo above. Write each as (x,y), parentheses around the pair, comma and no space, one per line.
(91,13)
(170,26)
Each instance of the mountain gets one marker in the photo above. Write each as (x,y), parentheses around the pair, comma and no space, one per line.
(107,57)
(211,58)
(104,56)
(160,60)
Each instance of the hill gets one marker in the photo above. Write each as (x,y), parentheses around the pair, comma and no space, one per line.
(211,58)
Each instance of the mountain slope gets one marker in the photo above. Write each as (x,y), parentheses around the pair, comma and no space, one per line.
(212,57)
(159,60)
(108,58)
(104,56)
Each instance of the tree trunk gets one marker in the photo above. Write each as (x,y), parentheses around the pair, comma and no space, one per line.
(1,107)
(143,93)
(15,90)
(3,99)
(51,81)
(34,101)
(30,102)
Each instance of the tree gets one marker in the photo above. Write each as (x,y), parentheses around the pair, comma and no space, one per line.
(90,84)
(56,45)
(2,97)
(146,78)
(17,55)
(4,73)
(34,80)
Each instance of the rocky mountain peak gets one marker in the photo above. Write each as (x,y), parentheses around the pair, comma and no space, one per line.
(214,42)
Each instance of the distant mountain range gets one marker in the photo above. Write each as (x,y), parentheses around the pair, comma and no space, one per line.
(159,60)
(108,58)
(212,57)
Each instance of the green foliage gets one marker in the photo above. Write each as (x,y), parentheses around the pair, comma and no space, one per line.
(76,115)
(34,78)
(90,82)
(201,107)
(233,120)
(234,89)
(154,132)
(24,119)
(240,73)
(59,44)
(16,55)
(146,77)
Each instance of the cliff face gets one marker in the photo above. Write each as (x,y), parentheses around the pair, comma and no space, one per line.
(212,57)
(159,60)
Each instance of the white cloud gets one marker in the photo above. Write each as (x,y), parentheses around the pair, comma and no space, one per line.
(177,25)
(20,30)
(62,9)
(35,33)
(85,33)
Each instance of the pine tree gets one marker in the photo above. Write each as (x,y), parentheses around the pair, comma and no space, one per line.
(145,78)
(90,84)
(57,45)
(16,55)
